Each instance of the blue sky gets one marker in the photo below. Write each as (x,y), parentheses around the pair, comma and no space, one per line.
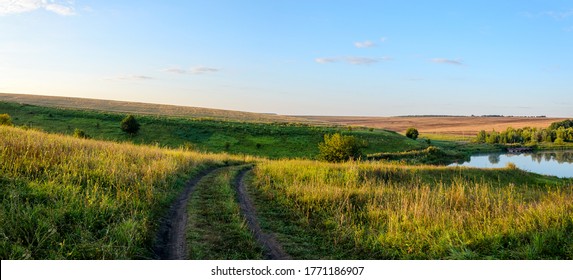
(313,57)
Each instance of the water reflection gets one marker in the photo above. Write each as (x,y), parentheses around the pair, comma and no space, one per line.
(556,163)
(559,156)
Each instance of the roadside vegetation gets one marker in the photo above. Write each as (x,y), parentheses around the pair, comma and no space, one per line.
(388,211)
(67,198)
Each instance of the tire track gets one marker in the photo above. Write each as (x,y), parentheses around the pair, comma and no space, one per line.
(171,241)
(272,248)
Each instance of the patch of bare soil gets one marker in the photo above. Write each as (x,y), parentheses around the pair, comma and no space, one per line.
(441,125)
(273,249)
(171,242)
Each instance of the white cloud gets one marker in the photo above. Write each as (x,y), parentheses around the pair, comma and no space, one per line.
(355,60)
(175,70)
(324,60)
(203,70)
(131,78)
(64,8)
(383,39)
(448,61)
(365,44)
(194,71)
(361,60)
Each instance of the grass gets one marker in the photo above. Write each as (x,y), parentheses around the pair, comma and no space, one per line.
(216,228)
(142,108)
(272,140)
(388,211)
(68,198)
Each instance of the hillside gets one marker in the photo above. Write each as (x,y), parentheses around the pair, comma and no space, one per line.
(143,108)
(272,140)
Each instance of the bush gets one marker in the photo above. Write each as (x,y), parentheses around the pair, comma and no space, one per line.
(339,148)
(412,133)
(5,119)
(78,133)
(130,125)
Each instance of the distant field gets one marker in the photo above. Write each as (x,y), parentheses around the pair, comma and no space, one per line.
(440,125)
(143,108)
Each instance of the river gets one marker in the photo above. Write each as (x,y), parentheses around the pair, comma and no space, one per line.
(554,163)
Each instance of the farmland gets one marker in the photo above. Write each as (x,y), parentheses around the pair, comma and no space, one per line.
(456,126)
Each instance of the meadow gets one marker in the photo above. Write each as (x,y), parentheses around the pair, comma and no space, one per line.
(138,108)
(272,140)
(62,197)
(379,210)
(68,198)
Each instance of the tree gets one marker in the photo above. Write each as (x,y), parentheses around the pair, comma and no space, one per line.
(482,136)
(412,133)
(130,125)
(339,148)
(5,119)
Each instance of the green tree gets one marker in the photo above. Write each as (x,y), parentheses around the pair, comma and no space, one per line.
(482,136)
(130,125)
(412,133)
(339,148)
(565,124)
(5,119)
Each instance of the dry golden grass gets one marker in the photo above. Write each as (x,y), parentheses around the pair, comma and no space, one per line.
(441,125)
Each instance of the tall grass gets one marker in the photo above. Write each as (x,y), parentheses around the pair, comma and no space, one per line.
(68,198)
(383,211)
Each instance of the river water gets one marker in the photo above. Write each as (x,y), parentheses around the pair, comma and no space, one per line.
(555,163)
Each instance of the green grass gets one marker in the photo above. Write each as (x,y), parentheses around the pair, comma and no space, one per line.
(273,140)
(389,211)
(216,227)
(68,198)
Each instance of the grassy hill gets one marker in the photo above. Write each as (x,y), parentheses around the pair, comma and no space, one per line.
(140,108)
(68,198)
(273,140)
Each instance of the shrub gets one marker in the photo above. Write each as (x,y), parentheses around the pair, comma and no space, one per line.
(412,133)
(130,125)
(5,119)
(78,133)
(339,148)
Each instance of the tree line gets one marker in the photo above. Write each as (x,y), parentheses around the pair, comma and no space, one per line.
(557,132)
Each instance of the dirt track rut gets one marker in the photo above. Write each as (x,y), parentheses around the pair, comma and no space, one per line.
(171,242)
(272,248)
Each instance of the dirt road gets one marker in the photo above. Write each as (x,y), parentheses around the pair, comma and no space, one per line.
(171,241)
(273,249)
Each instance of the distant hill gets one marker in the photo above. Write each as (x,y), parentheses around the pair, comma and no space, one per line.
(144,108)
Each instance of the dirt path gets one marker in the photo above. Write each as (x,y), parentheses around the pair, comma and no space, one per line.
(171,239)
(273,249)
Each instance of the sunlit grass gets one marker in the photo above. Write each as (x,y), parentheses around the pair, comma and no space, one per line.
(382,211)
(68,198)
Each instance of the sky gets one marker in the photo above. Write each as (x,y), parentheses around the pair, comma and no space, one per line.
(306,57)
